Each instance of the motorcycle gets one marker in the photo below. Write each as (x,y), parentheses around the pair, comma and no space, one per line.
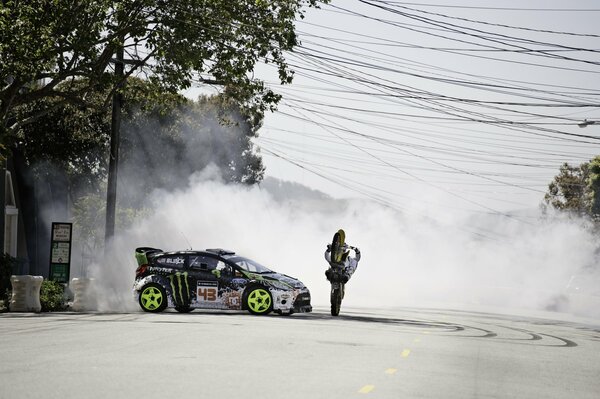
(337,288)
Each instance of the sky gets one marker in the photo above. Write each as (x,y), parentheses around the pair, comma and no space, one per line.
(462,106)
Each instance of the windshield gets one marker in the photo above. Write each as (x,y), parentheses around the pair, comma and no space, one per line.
(249,265)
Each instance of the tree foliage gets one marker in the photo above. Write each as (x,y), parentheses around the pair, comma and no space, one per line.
(6,270)
(47,46)
(67,137)
(165,138)
(576,189)
(165,149)
(593,185)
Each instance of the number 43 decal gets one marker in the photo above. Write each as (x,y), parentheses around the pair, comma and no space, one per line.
(207,294)
(207,291)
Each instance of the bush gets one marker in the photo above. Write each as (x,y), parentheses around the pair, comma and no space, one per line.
(6,268)
(52,296)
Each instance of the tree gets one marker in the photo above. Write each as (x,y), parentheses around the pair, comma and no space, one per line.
(164,150)
(576,189)
(165,138)
(593,186)
(72,139)
(46,46)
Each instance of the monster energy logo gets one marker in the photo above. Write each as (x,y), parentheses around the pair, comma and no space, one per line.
(181,296)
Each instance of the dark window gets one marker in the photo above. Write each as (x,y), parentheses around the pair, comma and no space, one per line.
(174,261)
(201,262)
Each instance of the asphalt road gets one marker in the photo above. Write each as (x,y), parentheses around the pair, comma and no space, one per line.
(406,353)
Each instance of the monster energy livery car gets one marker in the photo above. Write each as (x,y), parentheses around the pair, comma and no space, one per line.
(214,279)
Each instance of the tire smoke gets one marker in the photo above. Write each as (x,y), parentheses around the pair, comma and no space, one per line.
(519,263)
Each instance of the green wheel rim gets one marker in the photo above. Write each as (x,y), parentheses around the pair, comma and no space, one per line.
(259,301)
(151,298)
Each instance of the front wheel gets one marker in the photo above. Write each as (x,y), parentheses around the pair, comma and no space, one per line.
(153,298)
(336,300)
(259,301)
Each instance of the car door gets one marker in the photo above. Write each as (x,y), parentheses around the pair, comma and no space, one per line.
(231,285)
(206,285)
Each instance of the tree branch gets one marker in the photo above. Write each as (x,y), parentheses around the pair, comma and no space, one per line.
(32,118)
(127,75)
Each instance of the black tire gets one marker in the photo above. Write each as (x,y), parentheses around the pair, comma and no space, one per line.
(183,309)
(153,298)
(336,301)
(258,300)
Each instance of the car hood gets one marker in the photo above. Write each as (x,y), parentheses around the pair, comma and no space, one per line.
(284,280)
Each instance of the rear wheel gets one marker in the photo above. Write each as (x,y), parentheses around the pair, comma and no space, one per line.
(336,300)
(259,301)
(153,298)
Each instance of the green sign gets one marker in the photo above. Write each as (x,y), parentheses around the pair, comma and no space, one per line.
(59,272)
(60,252)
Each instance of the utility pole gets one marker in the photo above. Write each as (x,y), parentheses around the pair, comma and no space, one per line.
(113,166)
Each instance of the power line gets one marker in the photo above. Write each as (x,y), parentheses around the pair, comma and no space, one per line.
(495,8)
(483,22)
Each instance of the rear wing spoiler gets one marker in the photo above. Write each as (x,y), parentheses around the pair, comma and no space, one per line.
(142,254)
(220,251)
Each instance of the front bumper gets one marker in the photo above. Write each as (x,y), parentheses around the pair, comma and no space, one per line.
(302,303)
(295,301)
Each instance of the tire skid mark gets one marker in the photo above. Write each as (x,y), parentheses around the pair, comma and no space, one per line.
(541,339)
(402,322)
(431,325)
(533,336)
(487,333)
(567,342)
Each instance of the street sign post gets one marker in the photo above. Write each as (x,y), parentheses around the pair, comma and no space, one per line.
(60,252)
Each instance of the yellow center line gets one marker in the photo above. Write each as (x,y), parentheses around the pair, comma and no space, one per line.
(405,352)
(391,371)
(366,389)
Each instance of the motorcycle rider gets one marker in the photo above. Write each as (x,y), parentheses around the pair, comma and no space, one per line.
(348,263)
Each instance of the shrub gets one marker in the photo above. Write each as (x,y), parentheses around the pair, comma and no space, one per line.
(52,296)
(6,268)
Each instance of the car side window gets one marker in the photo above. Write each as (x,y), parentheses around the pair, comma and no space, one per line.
(224,268)
(199,262)
(174,261)
(221,265)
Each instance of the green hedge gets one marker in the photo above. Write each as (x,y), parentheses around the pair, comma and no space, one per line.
(52,296)
(6,270)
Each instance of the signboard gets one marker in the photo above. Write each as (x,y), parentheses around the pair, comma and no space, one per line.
(60,252)
(61,232)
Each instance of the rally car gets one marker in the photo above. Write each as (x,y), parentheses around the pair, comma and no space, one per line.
(214,279)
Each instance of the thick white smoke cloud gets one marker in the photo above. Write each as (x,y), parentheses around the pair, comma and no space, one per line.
(407,260)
